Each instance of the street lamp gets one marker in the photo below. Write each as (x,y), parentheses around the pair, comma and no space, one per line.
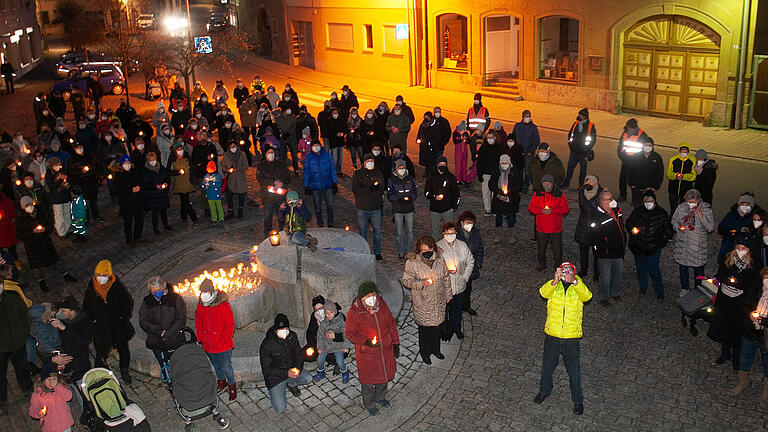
(175,25)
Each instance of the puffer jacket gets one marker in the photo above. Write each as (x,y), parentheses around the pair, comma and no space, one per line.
(691,245)
(111,317)
(169,314)
(337,325)
(215,324)
(402,192)
(238,162)
(428,301)
(732,225)
(474,241)
(679,166)
(277,356)
(565,308)
(319,170)
(181,182)
(377,364)
(151,178)
(47,337)
(648,230)
(457,256)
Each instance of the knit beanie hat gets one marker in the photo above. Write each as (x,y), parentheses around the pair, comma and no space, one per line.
(584,112)
(206,286)
(547,178)
(49,369)
(462,126)
(103,267)
(53,161)
(400,163)
(505,159)
(497,124)
(702,154)
(649,193)
(366,288)
(747,198)
(543,146)
(123,159)
(281,321)
(318,300)
(292,196)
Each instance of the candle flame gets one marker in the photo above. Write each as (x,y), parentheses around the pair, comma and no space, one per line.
(755,314)
(346,227)
(235,281)
(374,341)
(43,410)
(310,352)
(635,230)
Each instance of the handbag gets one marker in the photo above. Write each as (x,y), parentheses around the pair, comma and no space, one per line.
(446,330)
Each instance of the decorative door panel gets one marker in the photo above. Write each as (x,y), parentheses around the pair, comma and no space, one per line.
(669,76)
(702,83)
(637,78)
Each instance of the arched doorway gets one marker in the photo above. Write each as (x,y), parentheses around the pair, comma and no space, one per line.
(264,42)
(670,66)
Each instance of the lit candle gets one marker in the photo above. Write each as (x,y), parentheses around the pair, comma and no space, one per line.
(43,410)
(39,228)
(18,182)
(682,227)
(418,141)
(451,268)
(755,314)
(18,163)
(250,112)
(164,185)
(732,279)
(274,238)
(428,282)
(242,142)
(504,190)
(109,176)
(181,172)
(439,197)
(310,352)
(346,227)
(295,370)
(375,183)
(375,340)
(635,230)
(86,168)
(141,133)
(231,170)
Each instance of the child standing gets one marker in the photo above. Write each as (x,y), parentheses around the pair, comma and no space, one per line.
(49,402)
(79,210)
(212,187)
(331,340)
(305,144)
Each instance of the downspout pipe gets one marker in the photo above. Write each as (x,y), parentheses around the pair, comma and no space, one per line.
(742,64)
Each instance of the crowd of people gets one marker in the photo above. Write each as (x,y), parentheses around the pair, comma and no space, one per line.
(193,146)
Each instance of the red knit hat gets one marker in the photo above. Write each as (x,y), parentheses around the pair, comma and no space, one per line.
(211,167)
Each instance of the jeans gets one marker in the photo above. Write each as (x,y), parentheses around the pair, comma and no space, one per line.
(18,359)
(299,238)
(133,226)
(436,221)
(510,217)
(186,208)
(573,159)
(277,393)
(374,216)
(584,261)
(373,393)
(455,310)
(356,151)
(404,227)
(231,200)
(556,240)
(291,146)
(570,350)
(318,196)
(75,387)
(486,192)
(222,364)
(527,173)
(748,350)
(31,350)
(270,209)
(610,277)
(429,341)
(339,355)
(685,277)
(337,153)
(649,265)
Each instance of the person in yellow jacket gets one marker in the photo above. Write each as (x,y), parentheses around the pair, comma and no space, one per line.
(680,174)
(565,295)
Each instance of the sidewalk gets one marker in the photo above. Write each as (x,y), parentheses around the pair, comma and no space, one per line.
(743,144)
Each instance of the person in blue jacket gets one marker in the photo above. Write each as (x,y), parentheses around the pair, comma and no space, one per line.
(212,187)
(320,181)
(736,221)
(527,134)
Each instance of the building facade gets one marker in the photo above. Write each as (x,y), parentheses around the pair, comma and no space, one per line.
(20,43)
(673,58)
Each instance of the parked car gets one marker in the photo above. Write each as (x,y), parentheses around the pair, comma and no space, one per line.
(218,21)
(146,22)
(111,78)
(79,60)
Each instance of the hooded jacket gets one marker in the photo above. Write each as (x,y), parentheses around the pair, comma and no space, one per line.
(277,356)
(677,166)
(428,301)
(182,183)
(215,324)
(337,325)
(645,171)
(377,364)
(705,180)
(111,317)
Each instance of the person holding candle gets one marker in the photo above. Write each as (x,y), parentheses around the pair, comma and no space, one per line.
(609,240)
(368,187)
(680,174)
(59,187)
(753,337)
(738,283)
(649,231)
(505,185)
(588,193)
(565,295)
(402,192)
(460,263)
(373,330)
(130,197)
(548,205)
(14,319)
(50,402)
(737,220)
(155,179)
(320,181)
(215,327)
(691,221)
(82,171)
(212,187)
(471,236)
(331,340)
(426,276)
(442,191)
(181,183)
(282,362)
(234,164)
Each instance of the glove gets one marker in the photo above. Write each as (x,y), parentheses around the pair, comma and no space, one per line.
(369,344)
(335,188)
(307,190)
(396,350)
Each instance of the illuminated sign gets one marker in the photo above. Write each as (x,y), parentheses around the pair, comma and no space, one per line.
(203,45)
(401,31)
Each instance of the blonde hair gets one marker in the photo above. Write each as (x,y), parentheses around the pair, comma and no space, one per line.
(730,258)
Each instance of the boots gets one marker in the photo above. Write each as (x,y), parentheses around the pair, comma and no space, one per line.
(126,375)
(233,392)
(743,382)
(345,377)
(764,397)
(725,355)
(240,213)
(221,385)
(319,376)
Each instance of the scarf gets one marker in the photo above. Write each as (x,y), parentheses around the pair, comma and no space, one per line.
(580,127)
(689,220)
(503,178)
(155,168)
(103,290)
(762,305)
(589,194)
(371,309)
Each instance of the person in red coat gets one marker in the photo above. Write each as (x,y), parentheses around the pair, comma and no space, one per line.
(372,328)
(549,206)
(8,238)
(215,326)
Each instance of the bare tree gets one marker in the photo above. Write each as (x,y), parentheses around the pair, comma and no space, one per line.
(81,28)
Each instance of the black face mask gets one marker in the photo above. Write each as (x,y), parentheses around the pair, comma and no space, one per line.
(588,187)
(441,169)
(427,254)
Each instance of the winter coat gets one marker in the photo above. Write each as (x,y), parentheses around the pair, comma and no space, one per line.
(648,230)
(338,326)
(347,102)
(14,322)
(212,186)
(277,356)
(691,245)
(306,121)
(581,142)
(444,184)
(428,301)
(586,208)
(645,171)
(58,187)
(268,172)
(131,203)
(705,180)
(402,193)
(319,170)
(685,167)
(368,187)
(515,153)
(731,310)
(202,153)
(154,198)
(388,165)
(215,324)
(88,138)
(353,135)
(552,166)
(169,314)
(160,117)
(40,250)
(475,243)
(57,414)
(334,127)
(512,193)
(731,225)
(294,218)
(164,144)
(558,206)
(111,317)
(458,257)
(565,308)
(527,135)
(236,180)
(75,340)
(7,223)
(403,125)
(46,336)
(368,134)
(487,159)
(430,146)
(377,364)
(287,125)
(240,94)
(82,171)
(607,234)
(181,182)
(248,110)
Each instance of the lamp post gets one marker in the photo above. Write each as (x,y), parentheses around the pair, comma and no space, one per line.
(189,36)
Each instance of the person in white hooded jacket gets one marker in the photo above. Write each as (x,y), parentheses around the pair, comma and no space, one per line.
(460,263)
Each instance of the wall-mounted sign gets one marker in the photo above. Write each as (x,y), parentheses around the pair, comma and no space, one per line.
(401,31)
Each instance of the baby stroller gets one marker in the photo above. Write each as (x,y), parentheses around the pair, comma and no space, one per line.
(106,407)
(698,303)
(193,384)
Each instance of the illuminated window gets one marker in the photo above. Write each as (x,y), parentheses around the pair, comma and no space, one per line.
(368,37)
(452,39)
(340,36)
(559,48)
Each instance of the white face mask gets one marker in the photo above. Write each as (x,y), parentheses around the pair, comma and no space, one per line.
(526,120)
(468,227)
(320,314)
(450,238)
(233,149)
(102,279)
(613,204)
(510,144)
(477,101)
(30,183)
(153,163)
(369,165)
(756,223)
(544,156)
(206,297)
(647,149)
(79,151)
(283,333)
(229,125)
(180,153)
(127,167)
(504,166)
(745,209)
(649,205)
(700,162)
(683,155)
(401,172)
(397,112)
(370,301)
(354,116)
(491,140)
(692,204)
(271,157)
(193,126)
(82,126)
(108,138)
(741,253)
(376,152)
(140,147)
(335,116)
(369,116)
(438,114)
(316,149)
